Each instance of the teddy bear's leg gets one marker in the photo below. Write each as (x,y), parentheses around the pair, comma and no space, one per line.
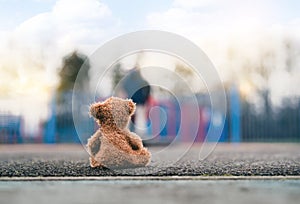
(94,163)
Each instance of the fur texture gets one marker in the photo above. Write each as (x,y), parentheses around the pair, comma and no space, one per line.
(113,145)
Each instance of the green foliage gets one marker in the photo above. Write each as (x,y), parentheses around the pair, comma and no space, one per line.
(118,74)
(72,64)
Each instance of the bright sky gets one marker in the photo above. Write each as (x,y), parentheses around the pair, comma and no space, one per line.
(35,34)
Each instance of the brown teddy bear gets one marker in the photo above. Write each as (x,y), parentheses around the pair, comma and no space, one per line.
(113,145)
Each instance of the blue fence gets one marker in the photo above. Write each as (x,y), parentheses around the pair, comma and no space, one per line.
(281,124)
(60,127)
(10,128)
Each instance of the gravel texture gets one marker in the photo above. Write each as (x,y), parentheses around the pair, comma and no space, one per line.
(226,160)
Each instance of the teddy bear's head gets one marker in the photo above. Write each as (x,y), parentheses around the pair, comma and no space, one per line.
(113,112)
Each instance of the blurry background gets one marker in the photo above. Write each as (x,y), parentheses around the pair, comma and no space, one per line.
(254,45)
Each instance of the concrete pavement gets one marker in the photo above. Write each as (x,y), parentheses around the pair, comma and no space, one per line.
(150,192)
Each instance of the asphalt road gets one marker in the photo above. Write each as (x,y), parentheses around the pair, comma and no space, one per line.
(226,160)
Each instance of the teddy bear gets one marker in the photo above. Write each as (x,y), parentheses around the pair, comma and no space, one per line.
(113,145)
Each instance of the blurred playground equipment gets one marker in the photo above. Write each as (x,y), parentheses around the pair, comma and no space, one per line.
(171,121)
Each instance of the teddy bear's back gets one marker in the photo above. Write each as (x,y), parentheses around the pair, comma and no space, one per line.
(116,152)
(124,140)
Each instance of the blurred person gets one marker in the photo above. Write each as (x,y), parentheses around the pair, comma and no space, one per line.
(138,89)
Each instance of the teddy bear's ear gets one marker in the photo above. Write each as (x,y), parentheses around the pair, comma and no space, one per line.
(95,110)
(131,106)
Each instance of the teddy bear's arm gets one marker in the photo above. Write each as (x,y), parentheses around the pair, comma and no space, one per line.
(93,147)
(134,141)
(94,143)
